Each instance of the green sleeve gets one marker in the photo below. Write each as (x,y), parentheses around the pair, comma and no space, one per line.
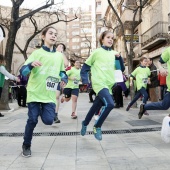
(91,59)
(166,55)
(68,73)
(62,66)
(134,72)
(31,58)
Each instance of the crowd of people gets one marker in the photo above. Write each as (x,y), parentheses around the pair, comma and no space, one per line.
(49,66)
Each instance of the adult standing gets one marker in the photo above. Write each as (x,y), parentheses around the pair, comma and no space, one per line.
(154,81)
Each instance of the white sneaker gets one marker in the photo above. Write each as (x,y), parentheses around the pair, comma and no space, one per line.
(96,117)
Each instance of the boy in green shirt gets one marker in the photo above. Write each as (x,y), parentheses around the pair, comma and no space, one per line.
(165,103)
(141,74)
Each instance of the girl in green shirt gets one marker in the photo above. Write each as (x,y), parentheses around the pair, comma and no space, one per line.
(102,65)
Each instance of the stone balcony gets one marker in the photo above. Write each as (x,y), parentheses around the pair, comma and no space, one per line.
(155,35)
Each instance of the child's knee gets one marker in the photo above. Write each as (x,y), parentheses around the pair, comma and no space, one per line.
(111,105)
(48,121)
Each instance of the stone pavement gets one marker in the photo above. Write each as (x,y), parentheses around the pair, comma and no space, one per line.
(129,143)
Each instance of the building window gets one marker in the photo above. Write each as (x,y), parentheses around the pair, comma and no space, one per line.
(98,17)
(75,47)
(98,4)
(75,40)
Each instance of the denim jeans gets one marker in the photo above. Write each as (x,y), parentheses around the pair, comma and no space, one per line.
(162,105)
(35,109)
(105,100)
(140,92)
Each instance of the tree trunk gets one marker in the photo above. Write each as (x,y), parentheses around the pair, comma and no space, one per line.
(14,26)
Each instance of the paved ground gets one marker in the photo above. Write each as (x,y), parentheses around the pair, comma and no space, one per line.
(133,145)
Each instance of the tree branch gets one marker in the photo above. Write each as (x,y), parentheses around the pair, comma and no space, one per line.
(35,11)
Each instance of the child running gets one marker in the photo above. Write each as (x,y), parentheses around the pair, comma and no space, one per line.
(3,73)
(71,90)
(60,48)
(165,103)
(141,74)
(45,66)
(102,65)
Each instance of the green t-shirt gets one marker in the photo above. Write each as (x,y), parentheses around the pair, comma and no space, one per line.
(102,64)
(141,74)
(73,73)
(166,58)
(43,80)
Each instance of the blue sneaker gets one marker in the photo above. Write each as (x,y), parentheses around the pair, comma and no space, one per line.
(97,133)
(83,129)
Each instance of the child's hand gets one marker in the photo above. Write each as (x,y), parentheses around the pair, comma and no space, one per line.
(163,72)
(17,79)
(149,82)
(62,84)
(36,64)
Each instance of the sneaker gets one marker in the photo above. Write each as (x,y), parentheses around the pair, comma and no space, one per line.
(56,120)
(26,151)
(97,133)
(1,115)
(83,129)
(141,111)
(128,107)
(96,117)
(73,115)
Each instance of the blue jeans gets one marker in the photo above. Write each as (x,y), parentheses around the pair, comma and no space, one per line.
(162,105)
(36,109)
(140,92)
(104,99)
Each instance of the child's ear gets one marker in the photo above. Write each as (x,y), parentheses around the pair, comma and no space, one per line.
(42,37)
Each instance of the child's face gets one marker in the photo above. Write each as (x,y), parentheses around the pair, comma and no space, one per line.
(77,64)
(60,48)
(144,62)
(108,40)
(50,37)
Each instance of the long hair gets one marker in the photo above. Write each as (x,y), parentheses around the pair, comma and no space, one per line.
(44,31)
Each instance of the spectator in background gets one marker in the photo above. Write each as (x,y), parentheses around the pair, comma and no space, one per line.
(21,89)
(162,86)
(154,81)
(3,73)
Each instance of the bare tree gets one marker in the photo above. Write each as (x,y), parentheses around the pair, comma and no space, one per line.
(137,9)
(15,23)
(38,30)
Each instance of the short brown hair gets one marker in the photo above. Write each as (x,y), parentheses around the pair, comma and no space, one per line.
(143,58)
(64,47)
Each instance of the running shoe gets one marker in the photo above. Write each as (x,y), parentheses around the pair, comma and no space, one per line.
(83,129)
(26,151)
(73,115)
(97,133)
(141,111)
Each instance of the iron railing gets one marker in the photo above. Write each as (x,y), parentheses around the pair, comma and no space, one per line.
(159,30)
